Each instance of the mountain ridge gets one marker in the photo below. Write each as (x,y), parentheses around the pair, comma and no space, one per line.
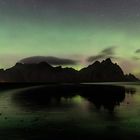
(105,71)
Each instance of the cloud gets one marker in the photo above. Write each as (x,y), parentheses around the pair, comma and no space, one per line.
(107,52)
(96,57)
(49,59)
(137,51)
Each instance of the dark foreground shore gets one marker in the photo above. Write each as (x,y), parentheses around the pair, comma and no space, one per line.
(37,111)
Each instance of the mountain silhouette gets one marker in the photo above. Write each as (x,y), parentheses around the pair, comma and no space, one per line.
(105,71)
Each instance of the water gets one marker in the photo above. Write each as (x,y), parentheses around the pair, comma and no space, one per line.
(85,111)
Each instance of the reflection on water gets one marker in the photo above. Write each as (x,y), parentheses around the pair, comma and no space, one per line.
(130,90)
(93,110)
(63,96)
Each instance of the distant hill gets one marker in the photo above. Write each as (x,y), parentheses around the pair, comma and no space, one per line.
(104,71)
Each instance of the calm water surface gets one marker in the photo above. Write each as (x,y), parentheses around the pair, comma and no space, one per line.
(34,113)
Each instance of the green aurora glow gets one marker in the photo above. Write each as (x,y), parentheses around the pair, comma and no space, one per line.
(28,30)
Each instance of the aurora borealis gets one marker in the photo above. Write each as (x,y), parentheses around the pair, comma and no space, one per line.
(71,29)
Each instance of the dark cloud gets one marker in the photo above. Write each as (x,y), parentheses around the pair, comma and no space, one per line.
(96,57)
(137,51)
(107,52)
(49,59)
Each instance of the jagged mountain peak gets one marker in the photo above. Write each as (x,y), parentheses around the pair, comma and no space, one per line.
(105,71)
(108,60)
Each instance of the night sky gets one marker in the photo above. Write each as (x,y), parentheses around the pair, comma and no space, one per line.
(81,30)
